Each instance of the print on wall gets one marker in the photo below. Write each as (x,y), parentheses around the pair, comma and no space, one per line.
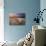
(17,18)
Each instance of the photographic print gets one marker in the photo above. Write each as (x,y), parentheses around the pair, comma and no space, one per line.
(17,18)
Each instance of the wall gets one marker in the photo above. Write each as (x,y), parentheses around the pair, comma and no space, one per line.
(14,33)
(43,6)
(1,22)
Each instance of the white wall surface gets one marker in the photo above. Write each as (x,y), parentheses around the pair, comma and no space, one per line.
(43,6)
(1,21)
